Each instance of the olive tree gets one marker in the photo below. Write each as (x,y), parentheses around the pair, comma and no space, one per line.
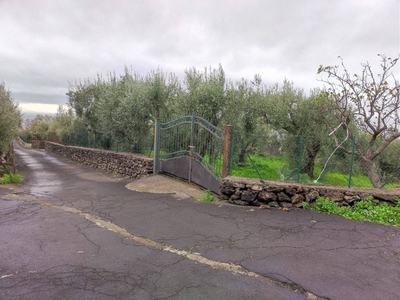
(289,110)
(365,104)
(10,119)
(204,94)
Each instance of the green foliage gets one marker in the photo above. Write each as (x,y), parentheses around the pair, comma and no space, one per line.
(207,197)
(10,119)
(364,210)
(63,124)
(365,105)
(285,173)
(272,167)
(267,119)
(266,166)
(203,94)
(52,128)
(11,178)
(290,111)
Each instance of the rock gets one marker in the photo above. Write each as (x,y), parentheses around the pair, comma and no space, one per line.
(334,196)
(240,202)
(227,190)
(273,204)
(299,204)
(273,189)
(290,191)
(312,195)
(224,197)
(235,197)
(265,206)
(387,197)
(297,198)
(282,197)
(286,205)
(257,187)
(351,199)
(267,196)
(238,185)
(248,196)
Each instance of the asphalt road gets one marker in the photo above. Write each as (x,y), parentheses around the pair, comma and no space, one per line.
(71,232)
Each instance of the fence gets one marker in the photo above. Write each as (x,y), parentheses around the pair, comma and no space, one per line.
(140,144)
(310,159)
(27,140)
(303,159)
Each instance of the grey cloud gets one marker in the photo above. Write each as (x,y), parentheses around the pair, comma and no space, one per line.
(46,44)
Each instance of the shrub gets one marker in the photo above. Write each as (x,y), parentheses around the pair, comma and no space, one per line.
(207,197)
(11,178)
(363,210)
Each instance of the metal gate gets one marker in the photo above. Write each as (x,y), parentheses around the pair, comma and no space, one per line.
(191,148)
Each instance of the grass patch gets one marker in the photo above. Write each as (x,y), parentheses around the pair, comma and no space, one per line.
(207,197)
(364,210)
(268,166)
(11,178)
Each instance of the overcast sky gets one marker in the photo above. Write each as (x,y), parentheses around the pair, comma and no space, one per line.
(44,45)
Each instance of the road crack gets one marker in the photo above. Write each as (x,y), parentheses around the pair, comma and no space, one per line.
(196,257)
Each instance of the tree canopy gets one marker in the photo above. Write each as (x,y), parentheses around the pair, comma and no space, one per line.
(10,118)
(309,129)
(366,106)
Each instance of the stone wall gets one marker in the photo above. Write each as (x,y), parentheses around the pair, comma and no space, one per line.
(244,191)
(37,144)
(122,164)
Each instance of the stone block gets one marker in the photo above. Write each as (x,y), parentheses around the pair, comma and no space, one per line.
(248,196)
(257,187)
(273,204)
(267,196)
(282,197)
(286,204)
(312,195)
(297,198)
(290,191)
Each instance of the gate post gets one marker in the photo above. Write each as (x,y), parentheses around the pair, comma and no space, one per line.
(227,141)
(156,162)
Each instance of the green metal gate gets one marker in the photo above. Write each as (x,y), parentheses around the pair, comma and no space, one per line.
(191,148)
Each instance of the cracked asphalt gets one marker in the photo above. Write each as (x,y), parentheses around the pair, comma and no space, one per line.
(72,232)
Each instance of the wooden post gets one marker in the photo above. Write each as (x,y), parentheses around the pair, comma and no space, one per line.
(156,161)
(227,142)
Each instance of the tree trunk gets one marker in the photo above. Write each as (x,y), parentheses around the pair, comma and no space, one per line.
(372,172)
(312,153)
(309,167)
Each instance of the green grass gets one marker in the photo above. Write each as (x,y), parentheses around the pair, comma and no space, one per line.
(207,197)
(267,167)
(364,210)
(11,178)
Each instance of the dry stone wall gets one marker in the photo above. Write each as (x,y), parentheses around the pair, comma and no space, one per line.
(244,191)
(122,164)
(37,144)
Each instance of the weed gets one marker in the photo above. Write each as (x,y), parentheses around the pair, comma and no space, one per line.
(207,197)
(11,178)
(364,210)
